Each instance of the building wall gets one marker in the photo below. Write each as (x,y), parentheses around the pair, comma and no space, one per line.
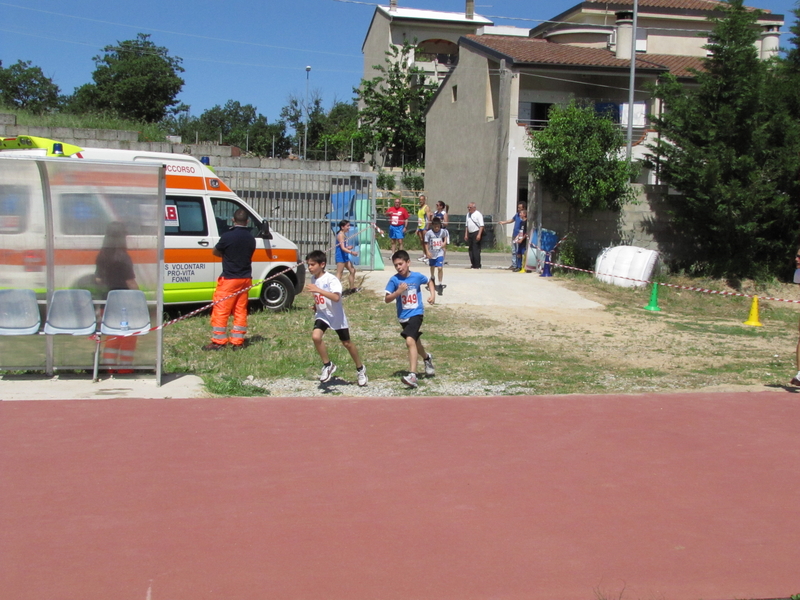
(376,44)
(661,40)
(461,139)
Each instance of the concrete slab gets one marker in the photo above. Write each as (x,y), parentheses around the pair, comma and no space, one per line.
(81,387)
(492,285)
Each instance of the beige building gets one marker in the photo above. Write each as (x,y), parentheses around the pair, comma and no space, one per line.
(502,86)
(435,35)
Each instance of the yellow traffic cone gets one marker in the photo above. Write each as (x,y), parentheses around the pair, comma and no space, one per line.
(752,320)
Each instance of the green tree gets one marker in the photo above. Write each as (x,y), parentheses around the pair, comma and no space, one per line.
(234,124)
(732,148)
(341,137)
(134,80)
(577,159)
(26,87)
(788,72)
(294,114)
(394,105)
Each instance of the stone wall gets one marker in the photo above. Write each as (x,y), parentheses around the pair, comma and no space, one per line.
(219,156)
(645,224)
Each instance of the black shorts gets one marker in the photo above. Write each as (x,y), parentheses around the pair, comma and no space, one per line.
(344,334)
(411,328)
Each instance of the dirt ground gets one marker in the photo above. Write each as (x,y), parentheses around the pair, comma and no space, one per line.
(593,327)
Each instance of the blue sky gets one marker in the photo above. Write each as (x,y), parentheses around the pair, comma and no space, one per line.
(253,51)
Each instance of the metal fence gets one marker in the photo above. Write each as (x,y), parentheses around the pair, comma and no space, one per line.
(306,206)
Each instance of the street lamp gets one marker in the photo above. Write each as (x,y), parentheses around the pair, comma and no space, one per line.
(305,137)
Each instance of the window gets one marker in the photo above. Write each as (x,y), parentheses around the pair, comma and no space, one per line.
(82,214)
(534,114)
(191,217)
(540,114)
(223,214)
(135,212)
(639,114)
(14,201)
(455,93)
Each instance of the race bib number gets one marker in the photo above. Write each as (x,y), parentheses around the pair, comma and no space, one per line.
(319,299)
(437,243)
(395,219)
(410,300)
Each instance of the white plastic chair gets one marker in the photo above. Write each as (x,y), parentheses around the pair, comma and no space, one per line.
(71,312)
(19,312)
(128,303)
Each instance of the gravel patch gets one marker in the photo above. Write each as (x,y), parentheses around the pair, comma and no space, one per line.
(428,386)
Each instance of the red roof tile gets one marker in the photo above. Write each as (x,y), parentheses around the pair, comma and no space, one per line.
(536,51)
(705,5)
(677,65)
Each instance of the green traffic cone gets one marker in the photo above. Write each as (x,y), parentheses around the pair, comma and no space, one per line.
(653,300)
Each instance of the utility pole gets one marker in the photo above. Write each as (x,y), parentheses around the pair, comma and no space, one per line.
(305,138)
(629,148)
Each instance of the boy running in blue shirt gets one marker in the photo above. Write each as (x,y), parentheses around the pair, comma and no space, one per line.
(406,289)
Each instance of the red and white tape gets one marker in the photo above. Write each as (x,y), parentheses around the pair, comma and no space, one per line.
(96,336)
(672,285)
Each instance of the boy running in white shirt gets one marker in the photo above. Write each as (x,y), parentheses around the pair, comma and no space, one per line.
(327,291)
(436,240)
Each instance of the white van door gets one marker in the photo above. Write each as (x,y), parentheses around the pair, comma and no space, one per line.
(190,268)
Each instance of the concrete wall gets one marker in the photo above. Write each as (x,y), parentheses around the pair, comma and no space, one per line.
(461,147)
(219,156)
(376,44)
(645,224)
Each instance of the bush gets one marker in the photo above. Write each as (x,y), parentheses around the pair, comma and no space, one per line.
(413,181)
(386,181)
(569,253)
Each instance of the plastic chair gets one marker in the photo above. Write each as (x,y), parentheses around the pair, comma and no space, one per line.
(19,312)
(130,304)
(123,306)
(71,312)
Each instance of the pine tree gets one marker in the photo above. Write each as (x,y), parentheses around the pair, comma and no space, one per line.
(733,152)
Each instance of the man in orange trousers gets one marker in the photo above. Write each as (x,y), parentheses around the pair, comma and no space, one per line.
(236,247)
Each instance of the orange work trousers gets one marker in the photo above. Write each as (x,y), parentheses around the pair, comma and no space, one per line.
(119,351)
(222,311)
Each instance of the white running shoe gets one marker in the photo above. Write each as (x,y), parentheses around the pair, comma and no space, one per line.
(327,372)
(410,380)
(362,376)
(429,370)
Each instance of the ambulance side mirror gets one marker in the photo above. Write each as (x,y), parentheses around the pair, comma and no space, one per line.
(265,232)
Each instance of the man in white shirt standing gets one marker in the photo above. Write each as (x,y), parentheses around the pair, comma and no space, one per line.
(473,234)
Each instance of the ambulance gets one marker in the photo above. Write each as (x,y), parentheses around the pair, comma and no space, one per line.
(199,207)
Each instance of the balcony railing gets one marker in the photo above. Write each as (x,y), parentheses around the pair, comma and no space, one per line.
(539,124)
(447,60)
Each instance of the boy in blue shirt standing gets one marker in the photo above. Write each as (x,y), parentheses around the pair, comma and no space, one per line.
(406,289)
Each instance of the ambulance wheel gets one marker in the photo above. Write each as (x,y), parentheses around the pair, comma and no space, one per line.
(278,293)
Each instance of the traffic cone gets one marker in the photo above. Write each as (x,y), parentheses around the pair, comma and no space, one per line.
(653,306)
(546,269)
(752,320)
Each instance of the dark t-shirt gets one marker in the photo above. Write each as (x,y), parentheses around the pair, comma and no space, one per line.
(237,246)
(114,269)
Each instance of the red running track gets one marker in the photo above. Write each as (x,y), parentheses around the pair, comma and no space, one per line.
(674,496)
